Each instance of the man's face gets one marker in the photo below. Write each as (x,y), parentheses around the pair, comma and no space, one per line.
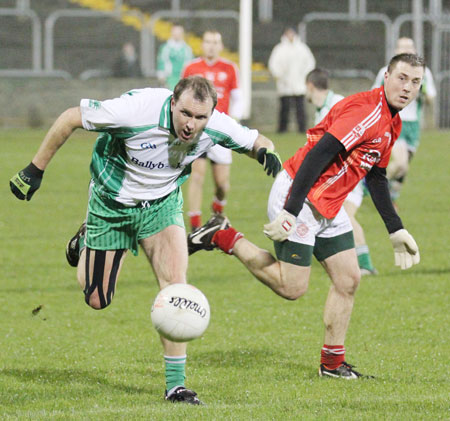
(290,35)
(403,84)
(212,45)
(309,90)
(190,115)
(177,33)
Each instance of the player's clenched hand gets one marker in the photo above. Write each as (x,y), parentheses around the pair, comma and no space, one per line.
(281,227)
(26,182)
(270,160)
(406,251)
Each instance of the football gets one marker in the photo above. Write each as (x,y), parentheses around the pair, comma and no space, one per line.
(180,312)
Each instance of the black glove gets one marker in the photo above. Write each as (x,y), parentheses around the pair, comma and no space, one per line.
(270,160)
(26,182)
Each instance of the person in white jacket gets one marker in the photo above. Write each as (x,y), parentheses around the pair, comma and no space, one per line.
(289,63)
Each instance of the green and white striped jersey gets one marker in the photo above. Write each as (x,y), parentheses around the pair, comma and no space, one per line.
(137,156)
(172,57)
(330,101)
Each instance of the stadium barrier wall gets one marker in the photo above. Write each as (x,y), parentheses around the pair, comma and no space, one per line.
(37,102)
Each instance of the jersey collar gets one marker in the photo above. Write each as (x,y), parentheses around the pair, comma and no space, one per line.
(327,99)
(165,117)
(386,107)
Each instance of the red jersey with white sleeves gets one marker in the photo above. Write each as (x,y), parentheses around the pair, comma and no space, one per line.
(363,123)
(223,74)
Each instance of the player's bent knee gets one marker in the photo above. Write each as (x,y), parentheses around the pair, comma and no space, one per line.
(292,281)
(355,283)
(93,300)
(99,290)
(96,297)
(399,168)
(349,284)
(292,291)
(294,294)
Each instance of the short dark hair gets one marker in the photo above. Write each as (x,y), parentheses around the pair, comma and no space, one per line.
(201,87)
(318,77)
(211,31)
(412,59)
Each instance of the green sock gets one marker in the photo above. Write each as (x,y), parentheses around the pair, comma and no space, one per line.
(364,260)
(175,371)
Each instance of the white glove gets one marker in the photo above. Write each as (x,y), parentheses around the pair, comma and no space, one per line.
(406,251)
(281,227)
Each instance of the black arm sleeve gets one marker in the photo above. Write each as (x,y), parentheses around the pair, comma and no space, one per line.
(377,184)
(312,166)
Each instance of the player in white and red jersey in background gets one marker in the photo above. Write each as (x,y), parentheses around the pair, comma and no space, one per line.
(353,141)
(224,76)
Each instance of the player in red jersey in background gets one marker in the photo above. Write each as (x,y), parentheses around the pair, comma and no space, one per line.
(353,141)
(224,76)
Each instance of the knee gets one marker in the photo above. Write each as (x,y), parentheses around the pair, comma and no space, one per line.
(349,284)
(98,297)
(402,168)
(93,300)
(198,171)
(292,291)
(197,180)
(398,168)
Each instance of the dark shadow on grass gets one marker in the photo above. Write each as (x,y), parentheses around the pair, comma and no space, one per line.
(290,369)
(249,358)
(433,271)
(70,376)
(237,357)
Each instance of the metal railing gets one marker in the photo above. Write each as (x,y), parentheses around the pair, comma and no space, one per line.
(440,55)
(351,16)
(36,40)
(442,75)
(440,49)
(71,13)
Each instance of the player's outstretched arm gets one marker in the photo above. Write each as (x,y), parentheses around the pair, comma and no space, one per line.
(406,252)
(264,152)
(24,184)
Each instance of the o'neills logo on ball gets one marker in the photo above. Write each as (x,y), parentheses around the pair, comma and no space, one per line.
(184,303)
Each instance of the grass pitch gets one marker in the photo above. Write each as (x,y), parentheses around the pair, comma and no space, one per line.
(258,360)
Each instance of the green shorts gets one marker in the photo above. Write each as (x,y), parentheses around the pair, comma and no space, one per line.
(113,226)
(410,134)
(301,254)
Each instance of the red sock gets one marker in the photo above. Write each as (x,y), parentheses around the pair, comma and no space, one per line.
(195,219)
(332,356)
(218,205)
(226,239)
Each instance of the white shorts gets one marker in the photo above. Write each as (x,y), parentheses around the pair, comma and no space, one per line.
(310,223)
(356,195)
(219,155)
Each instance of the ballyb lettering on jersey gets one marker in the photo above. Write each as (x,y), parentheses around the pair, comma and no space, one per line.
(152,165)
